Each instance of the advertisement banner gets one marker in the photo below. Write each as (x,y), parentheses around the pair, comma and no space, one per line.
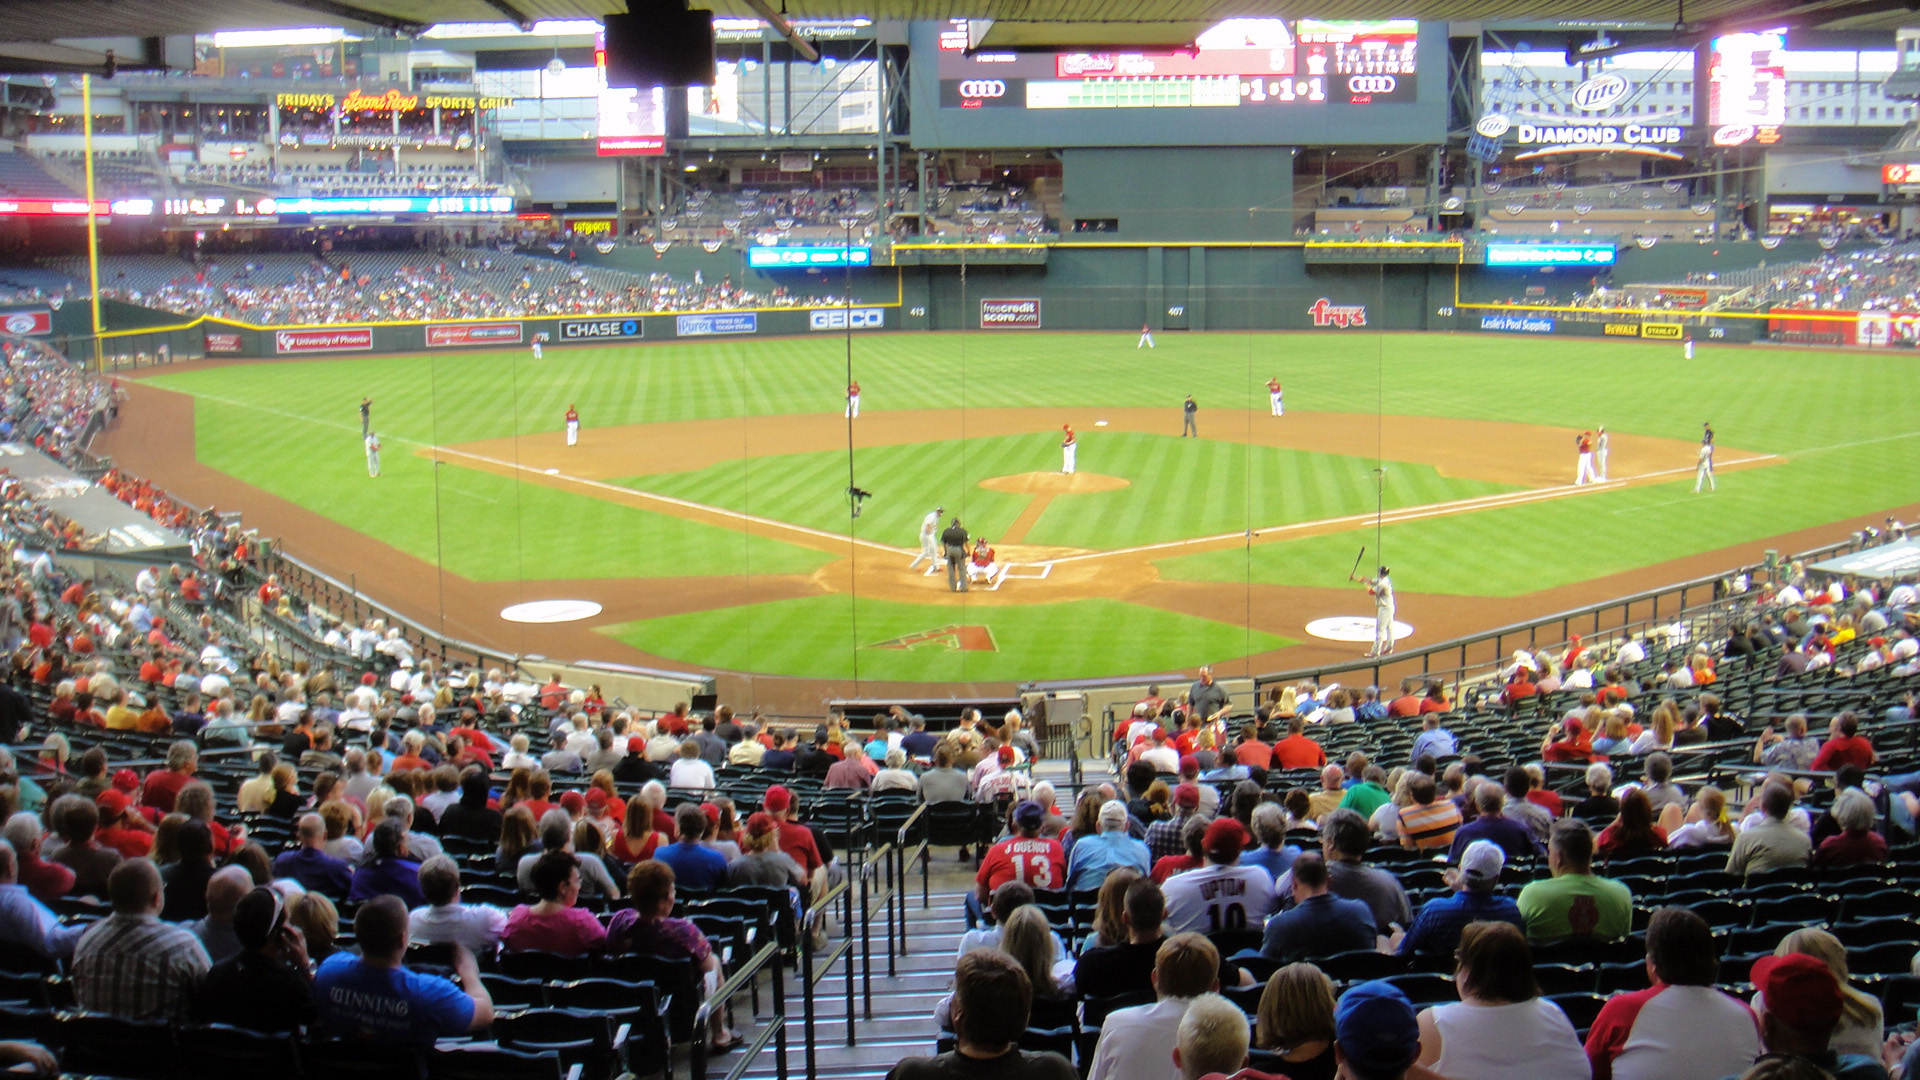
(599,329)
(860,318)
(497,333)
(1010,314)
(1327,313)
(745,322)
(337,339)
(1813,325)
(1665,330)
(223,341)
(29,323)
(1622,329)
(1517,324)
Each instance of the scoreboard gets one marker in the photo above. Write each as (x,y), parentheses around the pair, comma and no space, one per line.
(1244,81)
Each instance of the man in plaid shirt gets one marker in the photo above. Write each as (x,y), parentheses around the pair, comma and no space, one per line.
(132,965)
(1164,837)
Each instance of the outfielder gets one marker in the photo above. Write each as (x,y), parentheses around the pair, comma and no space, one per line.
(1381,589)
(1703,471)
(1583,471)
(1600,454)
(981,566)
(853,400)
(373,454)
(929,540)
(538,352)
(573,423)
(1273,394)
(1069,447)
(1688,340)
(1146,337)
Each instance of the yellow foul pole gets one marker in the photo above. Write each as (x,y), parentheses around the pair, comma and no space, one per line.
(93,221)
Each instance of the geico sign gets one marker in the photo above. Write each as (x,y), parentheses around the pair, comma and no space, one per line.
(983,88)
(1371,84)
(847,319)
(1601,134)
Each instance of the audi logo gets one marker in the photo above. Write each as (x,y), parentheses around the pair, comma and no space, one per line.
(1371,84)
(983,88)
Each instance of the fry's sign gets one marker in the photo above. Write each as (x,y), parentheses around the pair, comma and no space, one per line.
(1326,313)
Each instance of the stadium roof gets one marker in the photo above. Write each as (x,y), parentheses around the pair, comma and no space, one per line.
(1015,22)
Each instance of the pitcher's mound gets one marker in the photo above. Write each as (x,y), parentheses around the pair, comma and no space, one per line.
(1053,483)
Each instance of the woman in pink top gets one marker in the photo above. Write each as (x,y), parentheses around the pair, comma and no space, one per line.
(554,925)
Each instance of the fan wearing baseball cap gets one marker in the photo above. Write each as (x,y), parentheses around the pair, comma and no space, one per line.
(1375,1033)
(795,839)
(1026,857)
(1164,837)
(1476,881)
(1222,895)
(1799,1003)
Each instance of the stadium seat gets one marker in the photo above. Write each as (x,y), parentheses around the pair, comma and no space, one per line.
(481,1062)
(225,1052)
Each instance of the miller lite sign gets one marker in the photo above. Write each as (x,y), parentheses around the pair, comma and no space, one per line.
(1327,313)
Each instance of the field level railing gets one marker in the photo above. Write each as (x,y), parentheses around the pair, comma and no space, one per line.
(1699,607)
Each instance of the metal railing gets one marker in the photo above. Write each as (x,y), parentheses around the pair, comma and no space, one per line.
(776,1028)
(811,974)
(1699,603)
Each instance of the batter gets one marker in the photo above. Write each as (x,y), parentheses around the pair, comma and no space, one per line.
(1381,589)
(929,540)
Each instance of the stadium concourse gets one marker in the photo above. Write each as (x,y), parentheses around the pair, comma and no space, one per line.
(219,809)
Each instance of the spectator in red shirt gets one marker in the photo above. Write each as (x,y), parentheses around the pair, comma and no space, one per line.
(121,829)
(1250,751)
(1846,747)
(1520,686)
(163,785)
(1566,741)
(1296,751)
(1436,699)
(46,881)
(1026,857)
(1408,703)
(795,839)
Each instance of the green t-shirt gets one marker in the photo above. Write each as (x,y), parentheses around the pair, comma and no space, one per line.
(1365,798)
(1577,905)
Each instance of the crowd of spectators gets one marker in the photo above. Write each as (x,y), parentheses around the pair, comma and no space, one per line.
(1881,279)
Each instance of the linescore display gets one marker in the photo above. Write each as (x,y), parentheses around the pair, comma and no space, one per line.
(1551,254)
(781,257)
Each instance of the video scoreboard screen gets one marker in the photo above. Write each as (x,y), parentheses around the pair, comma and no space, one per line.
(1240,63)
(1551,254)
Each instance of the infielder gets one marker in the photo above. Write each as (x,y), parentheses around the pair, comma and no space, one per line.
(1703,471)
(1187,424)
(1273,394)
(1381,589)
(373,454)
(853,400)
(1069,446)
(1600,454)
(981,566)
(1583,470)
(929,540)
(573,422)
(1146,337)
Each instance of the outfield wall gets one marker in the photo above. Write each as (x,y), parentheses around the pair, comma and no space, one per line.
(1071,286)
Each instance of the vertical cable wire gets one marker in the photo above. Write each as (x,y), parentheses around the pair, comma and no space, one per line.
(853,501)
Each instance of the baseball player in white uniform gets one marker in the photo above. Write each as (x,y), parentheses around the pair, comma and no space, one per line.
(573,426)
(853,399)
(1583,468)
(1069,449)
(1381,589)
(537,351)
(929,541)
(373,454)
(1600,454)
(1689,346)
(1703,472)
(1146,337)
(1273,395)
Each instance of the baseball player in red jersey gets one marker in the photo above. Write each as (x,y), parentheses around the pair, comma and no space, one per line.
(981,563)
(1273,394)
(1069,448)
(573,426)
(853,400)
(1583,470)
(1023,857)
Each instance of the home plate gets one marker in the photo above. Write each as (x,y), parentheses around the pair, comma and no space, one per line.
(1354,628)
(550,611)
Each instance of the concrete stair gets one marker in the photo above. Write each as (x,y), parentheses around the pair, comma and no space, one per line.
(902,1020)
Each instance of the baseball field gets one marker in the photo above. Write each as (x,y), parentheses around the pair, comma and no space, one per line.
(705,507)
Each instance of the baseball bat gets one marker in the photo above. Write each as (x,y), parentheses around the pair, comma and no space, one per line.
(1356,562)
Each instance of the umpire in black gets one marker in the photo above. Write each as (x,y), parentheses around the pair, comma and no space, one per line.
(955,541)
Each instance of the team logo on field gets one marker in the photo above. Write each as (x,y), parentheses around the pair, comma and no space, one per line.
(952,638)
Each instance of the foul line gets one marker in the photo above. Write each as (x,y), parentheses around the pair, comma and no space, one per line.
(1412,513)
(541,474)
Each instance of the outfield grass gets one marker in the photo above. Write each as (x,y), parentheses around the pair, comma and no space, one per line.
(1844,421)
(827,636)
(1179,488)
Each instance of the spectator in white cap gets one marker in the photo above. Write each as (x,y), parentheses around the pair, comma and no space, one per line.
(1476,898)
